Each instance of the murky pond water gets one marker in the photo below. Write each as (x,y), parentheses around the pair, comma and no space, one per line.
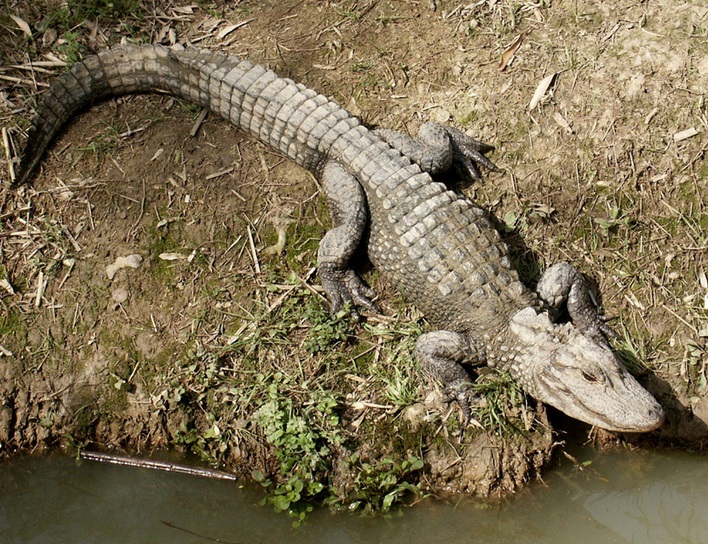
(622,497)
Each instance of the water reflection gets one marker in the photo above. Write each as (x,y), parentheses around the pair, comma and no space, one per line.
(669,504)
(624,497)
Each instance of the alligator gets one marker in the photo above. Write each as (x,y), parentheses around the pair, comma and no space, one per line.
(438,247)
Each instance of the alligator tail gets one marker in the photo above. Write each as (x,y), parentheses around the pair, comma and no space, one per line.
(289,117)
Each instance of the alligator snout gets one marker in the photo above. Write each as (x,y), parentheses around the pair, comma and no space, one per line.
(656,417)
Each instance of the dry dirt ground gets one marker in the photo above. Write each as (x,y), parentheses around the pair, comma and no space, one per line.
(218,341)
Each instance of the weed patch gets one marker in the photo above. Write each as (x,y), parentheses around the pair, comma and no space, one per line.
(378,486)
(303,437)
(503,409)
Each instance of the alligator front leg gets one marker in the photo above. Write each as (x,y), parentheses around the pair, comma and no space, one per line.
(347,204)
(438,147)
(562,283)
(441,355)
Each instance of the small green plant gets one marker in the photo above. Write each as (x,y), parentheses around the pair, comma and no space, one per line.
(70,47)
(468,118)
(616,219)
(360,66)
(58,237)
(514,220)
(10,320)
(201,384)
(571,57)
(348,14)
(401,388)
(511,221)
(385,20)
(71,14)
(696,366)
(289,495)
(190,107)
(632,355)
(503,401)
(69,17)
(279,383)
(208,444)
(396,372)
(327,330)
(302,436)
(105,142)
(380,486)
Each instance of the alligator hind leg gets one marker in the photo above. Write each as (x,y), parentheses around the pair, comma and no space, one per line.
(347,204)
(438,147)
(562,283)
(441,355)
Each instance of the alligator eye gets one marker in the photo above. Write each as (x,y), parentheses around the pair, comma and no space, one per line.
(589,377)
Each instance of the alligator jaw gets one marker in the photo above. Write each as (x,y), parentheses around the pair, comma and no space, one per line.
(622,406)
(559,366)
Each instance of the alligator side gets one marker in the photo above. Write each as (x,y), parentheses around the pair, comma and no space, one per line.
(438,247)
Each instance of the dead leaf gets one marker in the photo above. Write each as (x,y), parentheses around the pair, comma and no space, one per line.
(56,60)
(506,86)
(541,90)
(7,286)
(187,10)
(685,134)
(172,256)
(650,116)
(510,51)
(65,194)
(49,37)
(562,122)
(208,24)
(353,107)
(229,29)
(162,34)
(543,210)
(24,27)
(226,31)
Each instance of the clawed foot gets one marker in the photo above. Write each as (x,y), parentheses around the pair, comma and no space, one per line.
(443,356)
(562,283)
(468,153)
(595,327)
(438,147)
(345,287)
(465,397)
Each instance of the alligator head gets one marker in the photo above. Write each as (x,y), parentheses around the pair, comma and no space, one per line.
(558,365)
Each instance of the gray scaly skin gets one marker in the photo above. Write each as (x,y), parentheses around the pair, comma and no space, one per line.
(439,247)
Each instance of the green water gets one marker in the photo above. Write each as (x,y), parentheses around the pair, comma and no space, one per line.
(623,497)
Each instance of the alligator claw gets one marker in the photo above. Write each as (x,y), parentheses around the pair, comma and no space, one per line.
(468,153)
(467,168)
(609,332)
(563,284)
(465,398)
(344,287)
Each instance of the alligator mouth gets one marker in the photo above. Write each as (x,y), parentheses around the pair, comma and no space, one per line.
(576,408)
